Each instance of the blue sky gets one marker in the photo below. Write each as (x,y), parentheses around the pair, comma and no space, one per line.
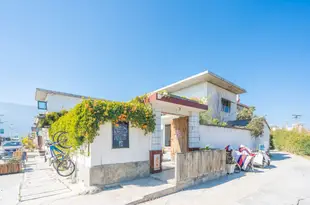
(115,49)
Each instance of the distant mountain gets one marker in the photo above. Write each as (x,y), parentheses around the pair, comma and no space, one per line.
(21,117)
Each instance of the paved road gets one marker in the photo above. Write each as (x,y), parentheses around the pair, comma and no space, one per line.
(286,182)
(9,188)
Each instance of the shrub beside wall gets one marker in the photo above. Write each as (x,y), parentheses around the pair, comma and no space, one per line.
(292,141)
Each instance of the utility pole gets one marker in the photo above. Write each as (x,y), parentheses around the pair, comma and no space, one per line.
(298,126)
(296,117)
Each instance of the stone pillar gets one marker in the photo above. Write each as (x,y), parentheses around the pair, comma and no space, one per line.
(193,131)
(156,145)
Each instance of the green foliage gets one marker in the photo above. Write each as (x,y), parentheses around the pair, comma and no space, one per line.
(246,113)
(229,158)
(50,118)
(140,99)
(28,143)
(256,126)
(164,93)
(14,160)
(202,100)
(85,118)
(207,147)
(271,142)
(205,118)
(292,141)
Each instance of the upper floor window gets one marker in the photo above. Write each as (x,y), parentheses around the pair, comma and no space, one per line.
(226,105)
(42,105)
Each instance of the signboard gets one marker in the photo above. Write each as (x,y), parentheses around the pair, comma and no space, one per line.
(156,162)
(261,147)
(120,135)
(1,131)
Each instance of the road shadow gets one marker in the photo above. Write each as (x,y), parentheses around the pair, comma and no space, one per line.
(271,167)
(276,156)
(28,169)
(262,170)
(219,181)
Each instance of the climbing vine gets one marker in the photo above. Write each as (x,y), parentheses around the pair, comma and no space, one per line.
(203,100)
(83,122)
(50,118)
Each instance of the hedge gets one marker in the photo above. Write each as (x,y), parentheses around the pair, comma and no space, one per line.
(292,141)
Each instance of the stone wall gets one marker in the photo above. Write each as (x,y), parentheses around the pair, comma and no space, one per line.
(115,173)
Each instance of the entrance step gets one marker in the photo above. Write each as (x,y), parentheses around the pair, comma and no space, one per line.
(167,165)
(167,176)
(167,156)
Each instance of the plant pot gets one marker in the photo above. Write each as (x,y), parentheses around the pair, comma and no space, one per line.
(159,96)
(230,168)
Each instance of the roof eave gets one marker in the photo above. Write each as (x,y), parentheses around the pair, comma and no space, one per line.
(41,95)
(199,78)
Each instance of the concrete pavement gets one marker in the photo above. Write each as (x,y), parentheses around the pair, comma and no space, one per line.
(286,182)
(41,185)
(9,188)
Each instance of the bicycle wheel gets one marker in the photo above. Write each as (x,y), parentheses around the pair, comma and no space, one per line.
(62,140)
(54,137)
(65,168)
(55,163)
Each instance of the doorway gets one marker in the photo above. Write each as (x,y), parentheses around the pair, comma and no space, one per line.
(168,135)
(179,136)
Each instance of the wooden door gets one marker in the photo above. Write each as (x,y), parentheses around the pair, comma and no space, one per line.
(179,136)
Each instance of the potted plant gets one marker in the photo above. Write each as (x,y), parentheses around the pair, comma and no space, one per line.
(230,163)
(162,94)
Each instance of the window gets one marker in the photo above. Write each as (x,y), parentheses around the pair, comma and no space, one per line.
(226,105)
(42,105)
(120,135)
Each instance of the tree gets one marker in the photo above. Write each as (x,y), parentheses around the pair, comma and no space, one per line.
(246,114)
(256,126)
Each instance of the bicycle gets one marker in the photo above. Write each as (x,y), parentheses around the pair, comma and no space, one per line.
(59,159)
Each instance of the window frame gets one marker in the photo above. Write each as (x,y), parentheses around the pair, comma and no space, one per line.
(225,103)
(42,102)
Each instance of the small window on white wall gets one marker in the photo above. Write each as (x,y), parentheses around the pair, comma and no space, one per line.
(226,105)
(42,105)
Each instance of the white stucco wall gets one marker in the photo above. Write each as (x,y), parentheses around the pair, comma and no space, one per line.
(102,152)
(215,94)
(220,137)
(265,139)
(56,103)
(198,90)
